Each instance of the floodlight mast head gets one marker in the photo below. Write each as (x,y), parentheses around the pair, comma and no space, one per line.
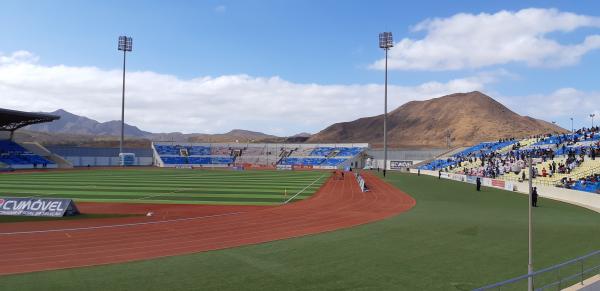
(125,43)
(386,40)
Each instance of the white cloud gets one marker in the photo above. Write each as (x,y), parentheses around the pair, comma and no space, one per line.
(558,106)
(479,40)
(164,103)
(18,57)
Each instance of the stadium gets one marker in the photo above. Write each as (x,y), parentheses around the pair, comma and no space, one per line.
(290,201)
(456,192)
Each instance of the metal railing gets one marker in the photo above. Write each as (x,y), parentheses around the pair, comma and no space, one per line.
(555,277)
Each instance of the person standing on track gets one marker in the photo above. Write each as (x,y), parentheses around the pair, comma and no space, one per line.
(478,182)
(534,197)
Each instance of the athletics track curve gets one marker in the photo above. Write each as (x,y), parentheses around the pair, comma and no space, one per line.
(40,246)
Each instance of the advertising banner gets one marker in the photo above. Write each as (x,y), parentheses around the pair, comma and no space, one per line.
(284,167)
(498,183)
(399,165)
(458,177)
(486,182)
(184,167)
(472,179)
(37,207)
(325,167)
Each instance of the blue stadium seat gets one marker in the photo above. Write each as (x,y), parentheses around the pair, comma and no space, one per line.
(12,153)
(322,151)
(333,162)
(349,152)
(199,160)
(199,151)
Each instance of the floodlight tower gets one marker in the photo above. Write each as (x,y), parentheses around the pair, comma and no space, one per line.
(572,127)
(592,116)
(125,45)
(385,42)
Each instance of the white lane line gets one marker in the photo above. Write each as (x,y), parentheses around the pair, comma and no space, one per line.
(315,181)
(121,225)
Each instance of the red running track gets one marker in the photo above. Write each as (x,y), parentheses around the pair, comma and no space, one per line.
(29,247)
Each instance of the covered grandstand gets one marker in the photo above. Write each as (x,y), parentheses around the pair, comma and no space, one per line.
(16,156)
(11,120)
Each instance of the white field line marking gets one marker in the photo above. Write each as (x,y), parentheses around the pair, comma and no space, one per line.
(121,225)
(315,181)
(162,194)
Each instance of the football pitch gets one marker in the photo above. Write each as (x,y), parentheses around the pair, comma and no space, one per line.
(455,238)
(153,185)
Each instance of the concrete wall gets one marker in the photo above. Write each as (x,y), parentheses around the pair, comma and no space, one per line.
(399,155)
(101,157)
(84,161)
(579,198)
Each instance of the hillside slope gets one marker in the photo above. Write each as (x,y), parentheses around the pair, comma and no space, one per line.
(468,118)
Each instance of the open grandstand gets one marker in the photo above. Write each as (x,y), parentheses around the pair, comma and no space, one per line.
(565,160)
(318,156)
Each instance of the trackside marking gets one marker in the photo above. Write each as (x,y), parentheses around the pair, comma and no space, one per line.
(315,181)
(121,225)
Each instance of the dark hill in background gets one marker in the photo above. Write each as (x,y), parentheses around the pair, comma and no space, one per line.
(468,118)
(75,124)
(75,130)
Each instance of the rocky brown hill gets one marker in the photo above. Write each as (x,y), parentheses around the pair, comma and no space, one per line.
(468,118)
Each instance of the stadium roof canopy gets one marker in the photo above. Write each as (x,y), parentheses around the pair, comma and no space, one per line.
(11,120)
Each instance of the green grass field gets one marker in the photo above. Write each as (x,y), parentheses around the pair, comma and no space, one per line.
(454,239)
(154,185)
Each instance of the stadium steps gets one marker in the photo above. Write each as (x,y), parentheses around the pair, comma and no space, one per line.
(443,155)
(452,152)
(40,150)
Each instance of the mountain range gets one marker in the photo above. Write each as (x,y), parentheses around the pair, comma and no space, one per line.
(459,119)
(73,124)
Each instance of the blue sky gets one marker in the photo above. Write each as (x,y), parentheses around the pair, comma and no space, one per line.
(286,47)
